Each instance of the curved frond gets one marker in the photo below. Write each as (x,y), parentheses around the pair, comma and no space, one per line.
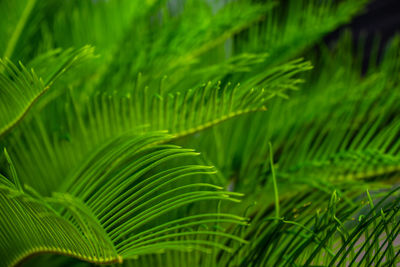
(21,88)
(292,26)
(30,227)
(104,167)
(119,204)
(362,233)
(353,136)
(92,121)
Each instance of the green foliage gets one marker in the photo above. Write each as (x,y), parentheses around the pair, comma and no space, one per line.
(22,88)
(195,133)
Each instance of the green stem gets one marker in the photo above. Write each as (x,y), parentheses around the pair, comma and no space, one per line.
(276,194)
(18,29)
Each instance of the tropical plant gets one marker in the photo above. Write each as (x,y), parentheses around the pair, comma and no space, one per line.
(196,133)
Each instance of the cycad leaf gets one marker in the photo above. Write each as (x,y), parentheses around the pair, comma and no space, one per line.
(354,134)
(122,202)
(30,227)
(21,88)
(90,122)
(318,229)
(304,23)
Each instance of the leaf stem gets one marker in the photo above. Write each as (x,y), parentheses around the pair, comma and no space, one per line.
(19,28)
(276,194)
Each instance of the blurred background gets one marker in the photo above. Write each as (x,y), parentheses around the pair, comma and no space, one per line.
(381,20)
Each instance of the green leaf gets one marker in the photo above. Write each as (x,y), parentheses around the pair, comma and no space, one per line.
(18,14)
(89,122)
(120,203)
(21,88)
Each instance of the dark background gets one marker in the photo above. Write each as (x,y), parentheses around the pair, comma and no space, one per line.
(381,19)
